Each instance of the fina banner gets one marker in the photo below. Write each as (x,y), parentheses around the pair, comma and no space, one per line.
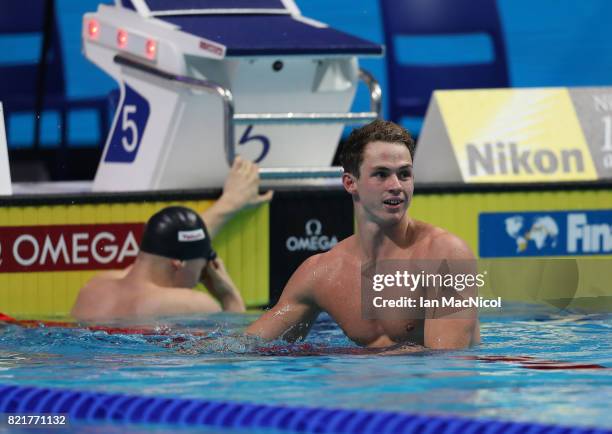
(545,233)
(5,172)
(517,136)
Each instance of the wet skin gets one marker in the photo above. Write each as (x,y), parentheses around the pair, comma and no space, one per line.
(331,281)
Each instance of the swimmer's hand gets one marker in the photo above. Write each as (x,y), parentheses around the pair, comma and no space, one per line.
(221,286)
(241,188)
(240,191)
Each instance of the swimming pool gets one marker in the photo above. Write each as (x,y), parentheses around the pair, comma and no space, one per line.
(509,377)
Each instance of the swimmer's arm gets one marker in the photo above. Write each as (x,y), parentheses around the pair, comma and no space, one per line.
(445,328)
(295,312)
(240,191)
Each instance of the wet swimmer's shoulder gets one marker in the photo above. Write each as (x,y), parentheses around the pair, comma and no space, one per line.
(347,246)
(345,250)
(442,243)
(309,274)
(333,263)
(110,275)
(100,285)
(176,301)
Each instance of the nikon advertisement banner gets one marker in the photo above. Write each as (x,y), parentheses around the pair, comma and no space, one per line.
(516,136)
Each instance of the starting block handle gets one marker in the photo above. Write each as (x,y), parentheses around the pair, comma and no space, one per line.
(209,86)
(309,173)
(322,118)
(230,119)
(300,173)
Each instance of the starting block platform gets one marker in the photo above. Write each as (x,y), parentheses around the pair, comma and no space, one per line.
(202,81)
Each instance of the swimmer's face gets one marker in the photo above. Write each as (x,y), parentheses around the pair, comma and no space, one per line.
(385,184)
(188,276)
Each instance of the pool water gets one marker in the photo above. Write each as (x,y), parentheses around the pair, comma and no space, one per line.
(510,376)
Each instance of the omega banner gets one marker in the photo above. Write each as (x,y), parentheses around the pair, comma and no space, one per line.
(50,250)
(68,247)
(516,136)
(303,224)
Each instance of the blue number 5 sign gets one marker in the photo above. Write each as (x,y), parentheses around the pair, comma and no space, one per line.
(129,128)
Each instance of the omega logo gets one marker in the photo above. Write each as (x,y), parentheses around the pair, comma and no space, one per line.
(317,227)
(313,241)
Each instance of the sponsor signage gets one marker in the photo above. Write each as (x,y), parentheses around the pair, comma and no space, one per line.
(68,247)
(189,236)
(312,240)
(517,136)
(49,251)
(545,233)
(304,224)
(216,49)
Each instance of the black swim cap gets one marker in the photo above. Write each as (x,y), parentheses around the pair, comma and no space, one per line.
(177,232)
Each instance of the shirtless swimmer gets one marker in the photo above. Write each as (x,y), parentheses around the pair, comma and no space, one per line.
(377,161)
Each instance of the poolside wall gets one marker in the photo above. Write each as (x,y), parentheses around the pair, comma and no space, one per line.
(460,212)
(49,287)
(245,243)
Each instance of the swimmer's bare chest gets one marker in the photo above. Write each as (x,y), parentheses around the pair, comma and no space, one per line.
(340,297)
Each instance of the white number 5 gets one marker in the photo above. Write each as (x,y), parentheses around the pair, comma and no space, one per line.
(129,124)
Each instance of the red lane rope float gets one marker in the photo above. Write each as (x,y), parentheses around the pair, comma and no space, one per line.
(306,350)
(147,331)
(529,362)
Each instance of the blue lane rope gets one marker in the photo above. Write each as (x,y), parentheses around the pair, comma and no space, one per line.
(96,407)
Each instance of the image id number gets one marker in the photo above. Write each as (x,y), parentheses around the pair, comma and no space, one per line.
(36,419)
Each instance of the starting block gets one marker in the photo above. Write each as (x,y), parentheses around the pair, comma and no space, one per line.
(202,81)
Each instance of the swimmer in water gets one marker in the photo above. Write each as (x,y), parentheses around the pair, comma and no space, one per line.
(377,161)
(175,254)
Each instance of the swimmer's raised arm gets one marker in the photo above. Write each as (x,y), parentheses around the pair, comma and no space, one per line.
(295,312)
(240,191)
(453,328)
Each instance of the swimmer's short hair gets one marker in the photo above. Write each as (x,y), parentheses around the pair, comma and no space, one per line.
(351,155)
(177,232)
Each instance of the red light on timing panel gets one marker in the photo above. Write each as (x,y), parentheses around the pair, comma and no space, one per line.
(122,38)
(151,49)
(93,29)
